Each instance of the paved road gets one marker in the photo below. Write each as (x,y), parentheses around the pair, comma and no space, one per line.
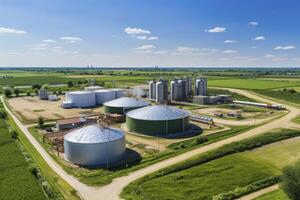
(259,193)
(112,190)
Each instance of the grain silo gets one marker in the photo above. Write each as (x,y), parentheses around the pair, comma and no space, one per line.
(152,89)
(157,120)
(123,105)
(80,99)
(94,145)
(175,90)
(161,94)
(201,86)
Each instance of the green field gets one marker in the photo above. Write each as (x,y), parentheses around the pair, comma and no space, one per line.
(276,195)
(281,95)
(202,182)
(16,182)
(203,178)
(250,83)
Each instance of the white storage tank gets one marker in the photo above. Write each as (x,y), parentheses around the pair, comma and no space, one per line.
(94,145)
(161,91)
(118,92)
(81,99)
(152,89)
(92,88)
(175,91)
(103,96)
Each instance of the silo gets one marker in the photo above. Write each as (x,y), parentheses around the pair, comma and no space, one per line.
(81,99)
(118,92)
(161,91)
(123,105)
(152,90)
(175,90)
(103,96)
(94,145)
(184,89)
(157,120)
(201,86)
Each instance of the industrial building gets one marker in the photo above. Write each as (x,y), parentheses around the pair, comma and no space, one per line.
(218,99)
(181,89)
(200,86)
(43,94)
(265,105)
(67,124)
(141,91)
(158,91)
(123,105)
(158,120)
(90,98)
(94,145)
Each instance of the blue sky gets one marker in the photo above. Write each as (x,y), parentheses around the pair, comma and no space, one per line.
(136,33)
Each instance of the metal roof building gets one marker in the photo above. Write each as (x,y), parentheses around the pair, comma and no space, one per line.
(94,145)
(124,104)
(79,99)
(158,120)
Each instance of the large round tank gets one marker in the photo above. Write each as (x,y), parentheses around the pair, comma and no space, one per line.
(118,92)
(94,145)
(103,96)
(157,120)
(123,104)
(81,99)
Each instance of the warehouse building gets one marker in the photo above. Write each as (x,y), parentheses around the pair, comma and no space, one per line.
(123,105)
(79,99)
(94,145)
(158,120)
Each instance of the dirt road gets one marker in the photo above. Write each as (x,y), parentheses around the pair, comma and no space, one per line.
(112,190)
(260,192)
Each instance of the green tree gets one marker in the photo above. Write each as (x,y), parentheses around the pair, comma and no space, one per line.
(36,86)
(41,122)
(16,92)
(291,181)
(70,84)
(7,92)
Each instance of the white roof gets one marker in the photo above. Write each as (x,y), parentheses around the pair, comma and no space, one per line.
(158,112)
(126,102)
(94,134)
(80,92)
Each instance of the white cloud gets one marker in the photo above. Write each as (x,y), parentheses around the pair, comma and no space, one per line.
(49,41)
(253,23)
(208,49)
(136,31)
(229,51)
(186,49)
(146,47)
(153,38)
(11,30)
(259,38)
(284,47)
(269,56)
(254,47)
(216,30)
(230,41)
(71,39)
(141,37)
(57,47)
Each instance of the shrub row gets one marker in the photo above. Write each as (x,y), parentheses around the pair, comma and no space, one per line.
(241,191)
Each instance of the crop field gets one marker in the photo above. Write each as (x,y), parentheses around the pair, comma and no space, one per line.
(202,182)
(276,195)
(16,182)
(274,154)
(250,83)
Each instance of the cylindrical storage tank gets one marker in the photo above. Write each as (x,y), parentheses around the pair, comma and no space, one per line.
(81,99)
(158,120)
(161,91)
(152,90)
(123,105)
(92,88)
(175,91)
(93,145)
(118,92)
(103,96)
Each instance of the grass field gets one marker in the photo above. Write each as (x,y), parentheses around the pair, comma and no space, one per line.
(276,195)
(274,154)
(222,174)
(202,182)
(281,95)
(16,182)
(251,83)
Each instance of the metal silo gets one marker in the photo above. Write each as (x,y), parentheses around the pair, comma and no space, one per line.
(201,86)
(94,145)
(152,90)
(161,91)
(176,92)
